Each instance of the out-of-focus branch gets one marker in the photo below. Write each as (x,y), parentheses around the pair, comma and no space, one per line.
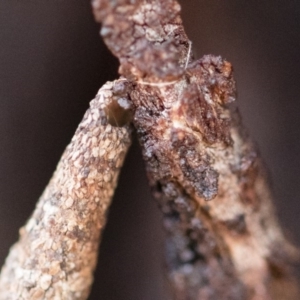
(57,251)
(196,150)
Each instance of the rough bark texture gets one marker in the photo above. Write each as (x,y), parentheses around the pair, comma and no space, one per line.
(196,150)
(57,251)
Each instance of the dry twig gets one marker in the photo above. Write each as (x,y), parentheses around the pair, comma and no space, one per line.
(57,251)
(195,150)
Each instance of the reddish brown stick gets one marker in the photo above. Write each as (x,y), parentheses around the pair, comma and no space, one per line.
(196,150)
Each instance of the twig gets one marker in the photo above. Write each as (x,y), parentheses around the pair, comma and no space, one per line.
(57,251)
(196,150)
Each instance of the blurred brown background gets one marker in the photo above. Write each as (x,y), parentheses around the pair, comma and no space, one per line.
(52,62)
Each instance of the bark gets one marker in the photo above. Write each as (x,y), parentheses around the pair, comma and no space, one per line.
(57,251)
(196,149)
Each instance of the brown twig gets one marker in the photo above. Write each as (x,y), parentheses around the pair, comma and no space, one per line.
(57,251)
(196,150)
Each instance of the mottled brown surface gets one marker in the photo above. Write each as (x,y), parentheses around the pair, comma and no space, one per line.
(195,150)
(49,72)
(239,216)
(142,34)
(178,136)
(57,252)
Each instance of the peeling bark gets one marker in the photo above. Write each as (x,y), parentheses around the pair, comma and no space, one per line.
(58,247)
(196,149)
